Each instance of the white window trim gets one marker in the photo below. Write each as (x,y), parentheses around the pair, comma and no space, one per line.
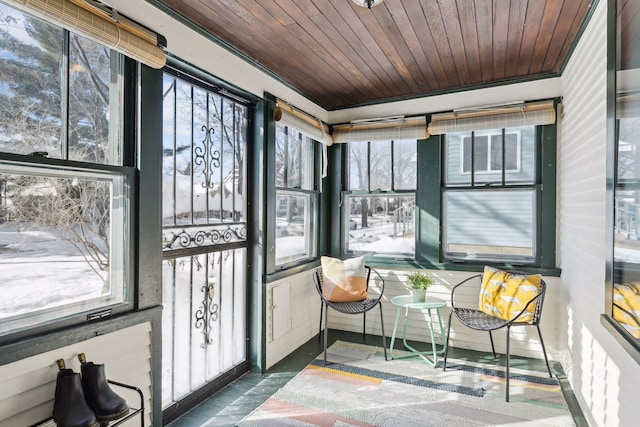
(489,134)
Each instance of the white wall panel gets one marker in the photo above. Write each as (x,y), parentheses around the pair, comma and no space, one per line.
(604,378)
(27,386)
(304,312)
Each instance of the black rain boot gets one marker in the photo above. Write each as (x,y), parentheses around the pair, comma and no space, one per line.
(69,406)
(107,405)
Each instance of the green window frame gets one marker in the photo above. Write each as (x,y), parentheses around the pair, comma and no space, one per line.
(295,185)
(431,192)
(489,213)
(67,175)
(378,204)
(621,316)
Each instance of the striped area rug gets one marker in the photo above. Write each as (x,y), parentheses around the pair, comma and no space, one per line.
(359,388)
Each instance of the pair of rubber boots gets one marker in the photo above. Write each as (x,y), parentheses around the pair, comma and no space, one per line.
(85,400)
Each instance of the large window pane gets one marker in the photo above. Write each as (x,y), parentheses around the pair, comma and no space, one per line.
(31,57)
(358,166)
(294,159)
(94,103)
(405,165)
(380,224)
(481,153)
(63,243)
(489,225)
(295,226)
(458,158)
(380,169)
(69,111)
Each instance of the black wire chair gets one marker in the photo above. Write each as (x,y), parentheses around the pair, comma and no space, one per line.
(353,307)
(481,321)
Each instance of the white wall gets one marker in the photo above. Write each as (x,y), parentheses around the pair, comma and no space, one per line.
(605,379)
(27,387)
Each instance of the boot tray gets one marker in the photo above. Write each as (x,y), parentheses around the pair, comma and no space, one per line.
(132,411)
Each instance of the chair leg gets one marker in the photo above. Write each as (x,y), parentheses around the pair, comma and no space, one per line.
(507,375)
(446,343)
(384,339)
(326,332)
(320,325)
(544,351)
(364,325)
(493,349)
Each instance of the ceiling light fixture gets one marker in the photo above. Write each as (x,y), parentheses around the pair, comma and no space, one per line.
(367,3)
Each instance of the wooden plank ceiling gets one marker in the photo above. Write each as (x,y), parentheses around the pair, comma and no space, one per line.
(341,55)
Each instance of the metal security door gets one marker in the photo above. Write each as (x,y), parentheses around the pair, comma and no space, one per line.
(204,324)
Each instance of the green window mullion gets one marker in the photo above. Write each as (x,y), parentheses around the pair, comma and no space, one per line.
(473,158)
(369,166)
(504,158)
(547,212)
(65,90)
(429,199)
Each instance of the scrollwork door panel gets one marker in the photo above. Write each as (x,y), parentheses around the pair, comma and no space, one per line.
(204,237)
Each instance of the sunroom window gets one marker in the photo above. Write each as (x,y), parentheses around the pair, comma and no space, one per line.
(297,196)
(489,204)
(379,206)
(64,192)
(498,179)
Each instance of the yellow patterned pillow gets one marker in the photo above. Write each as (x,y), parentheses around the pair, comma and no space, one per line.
(343,280)
(505,294)
(627,306)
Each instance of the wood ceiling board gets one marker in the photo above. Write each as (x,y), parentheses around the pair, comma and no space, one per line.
(449,13)
(484,26)
(469,31)
(533,19)
(341,55)
(517,15)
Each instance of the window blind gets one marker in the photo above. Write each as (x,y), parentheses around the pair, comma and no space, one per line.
(384,129)
(534,113)
(302,122)
(99,24)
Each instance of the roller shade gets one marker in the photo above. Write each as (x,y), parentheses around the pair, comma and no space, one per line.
(302,122)
(383,129)
(99,24)
(521,114)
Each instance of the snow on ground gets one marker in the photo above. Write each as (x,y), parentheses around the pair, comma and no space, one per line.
(40,271)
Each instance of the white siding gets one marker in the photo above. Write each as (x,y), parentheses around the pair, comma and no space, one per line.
(604,378)
(27,386)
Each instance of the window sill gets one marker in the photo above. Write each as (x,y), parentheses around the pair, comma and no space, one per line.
(54,339)
(631,346)
(290,270)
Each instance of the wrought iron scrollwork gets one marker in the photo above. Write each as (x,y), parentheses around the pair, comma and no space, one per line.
(207,156)
(206,314)
(185,239)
